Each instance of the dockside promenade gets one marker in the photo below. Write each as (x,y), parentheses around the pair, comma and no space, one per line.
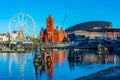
(111,73)
(30,47)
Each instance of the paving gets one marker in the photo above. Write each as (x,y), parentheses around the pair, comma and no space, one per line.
(112,73)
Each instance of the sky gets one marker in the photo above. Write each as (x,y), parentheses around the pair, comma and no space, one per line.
(77,11)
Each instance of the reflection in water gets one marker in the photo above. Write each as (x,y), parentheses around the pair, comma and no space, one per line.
(58,57)
(17,59)
(103,59)
(45,62)
(77,58)
(10,63)
(20,66)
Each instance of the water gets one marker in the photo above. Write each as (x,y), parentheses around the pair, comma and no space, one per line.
(19,66)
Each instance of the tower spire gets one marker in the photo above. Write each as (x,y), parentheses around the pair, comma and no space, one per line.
(49,16)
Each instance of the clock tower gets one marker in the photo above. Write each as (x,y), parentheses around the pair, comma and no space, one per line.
(50,29)
(51,34)
(50,23)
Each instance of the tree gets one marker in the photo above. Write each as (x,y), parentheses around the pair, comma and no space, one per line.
(8,41)
(35,40)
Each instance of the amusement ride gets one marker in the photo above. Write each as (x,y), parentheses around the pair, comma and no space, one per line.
(21,28)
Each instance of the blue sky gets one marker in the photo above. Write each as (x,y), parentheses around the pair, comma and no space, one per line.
(78,11)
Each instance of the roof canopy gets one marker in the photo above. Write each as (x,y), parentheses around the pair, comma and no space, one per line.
(90,26)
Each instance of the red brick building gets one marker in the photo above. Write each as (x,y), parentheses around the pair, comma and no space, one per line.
(51,34)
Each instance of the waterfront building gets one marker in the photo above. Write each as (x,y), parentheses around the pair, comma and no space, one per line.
(3,37)
(93,30)
(17,36)
(51,34)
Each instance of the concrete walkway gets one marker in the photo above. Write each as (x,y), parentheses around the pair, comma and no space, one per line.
(112,73)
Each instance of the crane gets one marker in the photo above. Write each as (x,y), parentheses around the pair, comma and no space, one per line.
(64,20)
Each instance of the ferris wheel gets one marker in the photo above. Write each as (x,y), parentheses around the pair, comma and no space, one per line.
(21,27)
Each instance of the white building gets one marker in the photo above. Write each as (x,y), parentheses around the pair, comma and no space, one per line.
(3,37)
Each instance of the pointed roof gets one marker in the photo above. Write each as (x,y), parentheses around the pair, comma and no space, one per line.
(61,30)
(49,16)
(41,29)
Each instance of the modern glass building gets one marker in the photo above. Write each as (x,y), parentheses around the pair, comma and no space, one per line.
(93,30)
